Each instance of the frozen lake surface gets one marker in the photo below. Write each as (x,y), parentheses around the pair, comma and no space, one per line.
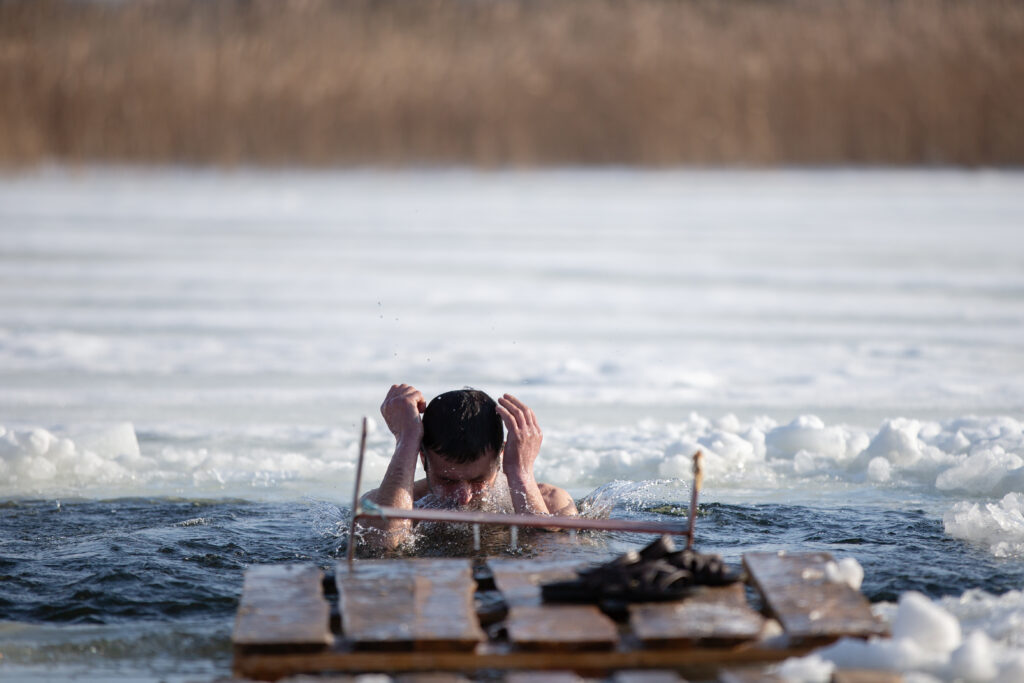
(841,344)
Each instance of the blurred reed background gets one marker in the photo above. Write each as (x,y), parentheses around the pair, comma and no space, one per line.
(516,82)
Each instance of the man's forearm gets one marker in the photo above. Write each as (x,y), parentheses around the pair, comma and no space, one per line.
(396,490)
(526,495)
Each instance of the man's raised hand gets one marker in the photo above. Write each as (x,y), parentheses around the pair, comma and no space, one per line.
(401,410)
(524,436)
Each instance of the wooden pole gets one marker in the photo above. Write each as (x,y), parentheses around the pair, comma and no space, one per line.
(541,521)
(698,481)
(351,553)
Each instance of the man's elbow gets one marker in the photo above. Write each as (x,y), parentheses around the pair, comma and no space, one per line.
(564,507)
(382,535)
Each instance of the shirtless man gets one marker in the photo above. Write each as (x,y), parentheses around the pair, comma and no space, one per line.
(459,441)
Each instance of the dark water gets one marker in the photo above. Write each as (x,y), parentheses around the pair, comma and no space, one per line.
(170,571)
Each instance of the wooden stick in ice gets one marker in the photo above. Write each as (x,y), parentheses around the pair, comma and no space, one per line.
(698,481)
(355,498)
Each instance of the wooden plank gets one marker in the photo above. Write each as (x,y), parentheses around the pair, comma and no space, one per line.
(504,658)
(282,606)
(412,604)
(734,594)
(715,616)
(865,676)
(809,607)
(560,627)
(434,677)
(642,676)
(311,678)
(639,526)
(749,675)
(542,677)
(761,675)
(519,580)
(534,625)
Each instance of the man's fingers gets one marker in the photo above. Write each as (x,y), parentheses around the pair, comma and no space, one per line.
(403,394)
(512,423)
(506,417)
(521,420)
(513,412)
(404,391)
(529,419)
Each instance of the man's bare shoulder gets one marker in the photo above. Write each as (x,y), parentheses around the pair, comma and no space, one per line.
(557,499)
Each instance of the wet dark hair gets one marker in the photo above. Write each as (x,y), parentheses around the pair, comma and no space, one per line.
(462,425)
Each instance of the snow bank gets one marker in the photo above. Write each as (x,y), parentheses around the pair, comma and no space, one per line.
(970,456)
(974,456)
(38,463)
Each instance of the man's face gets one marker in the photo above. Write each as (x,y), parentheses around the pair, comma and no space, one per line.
(460,485)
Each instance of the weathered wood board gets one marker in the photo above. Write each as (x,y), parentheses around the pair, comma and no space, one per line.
(542,677)
(413,604)
(273,667)
(809,607)
(438,677)
(560,627)
(534,626)
(865,676)
(714,616)
(640,676)
(283,606)
(749,675)
(519,580)
(764,675)
(434,677)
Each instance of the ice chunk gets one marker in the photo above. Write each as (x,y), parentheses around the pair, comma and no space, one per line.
(118,440)
(897,442)
(847,570)
(39,469)
(879,470)
(1012,670)
(920,677)
(39,441)
(897,654)
(926,624)
(990,471)
(1000,616)
(809,669)
(1000,526)
(974,660)
(806,433)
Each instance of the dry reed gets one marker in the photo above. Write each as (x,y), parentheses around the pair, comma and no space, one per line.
(515,82)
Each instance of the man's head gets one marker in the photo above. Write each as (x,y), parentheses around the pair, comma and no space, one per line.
(462,439)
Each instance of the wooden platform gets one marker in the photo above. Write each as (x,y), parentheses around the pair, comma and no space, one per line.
(409,617)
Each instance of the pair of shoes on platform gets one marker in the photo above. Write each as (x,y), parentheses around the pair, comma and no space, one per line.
(656,573)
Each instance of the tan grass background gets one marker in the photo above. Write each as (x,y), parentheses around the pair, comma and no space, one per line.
(520,82)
